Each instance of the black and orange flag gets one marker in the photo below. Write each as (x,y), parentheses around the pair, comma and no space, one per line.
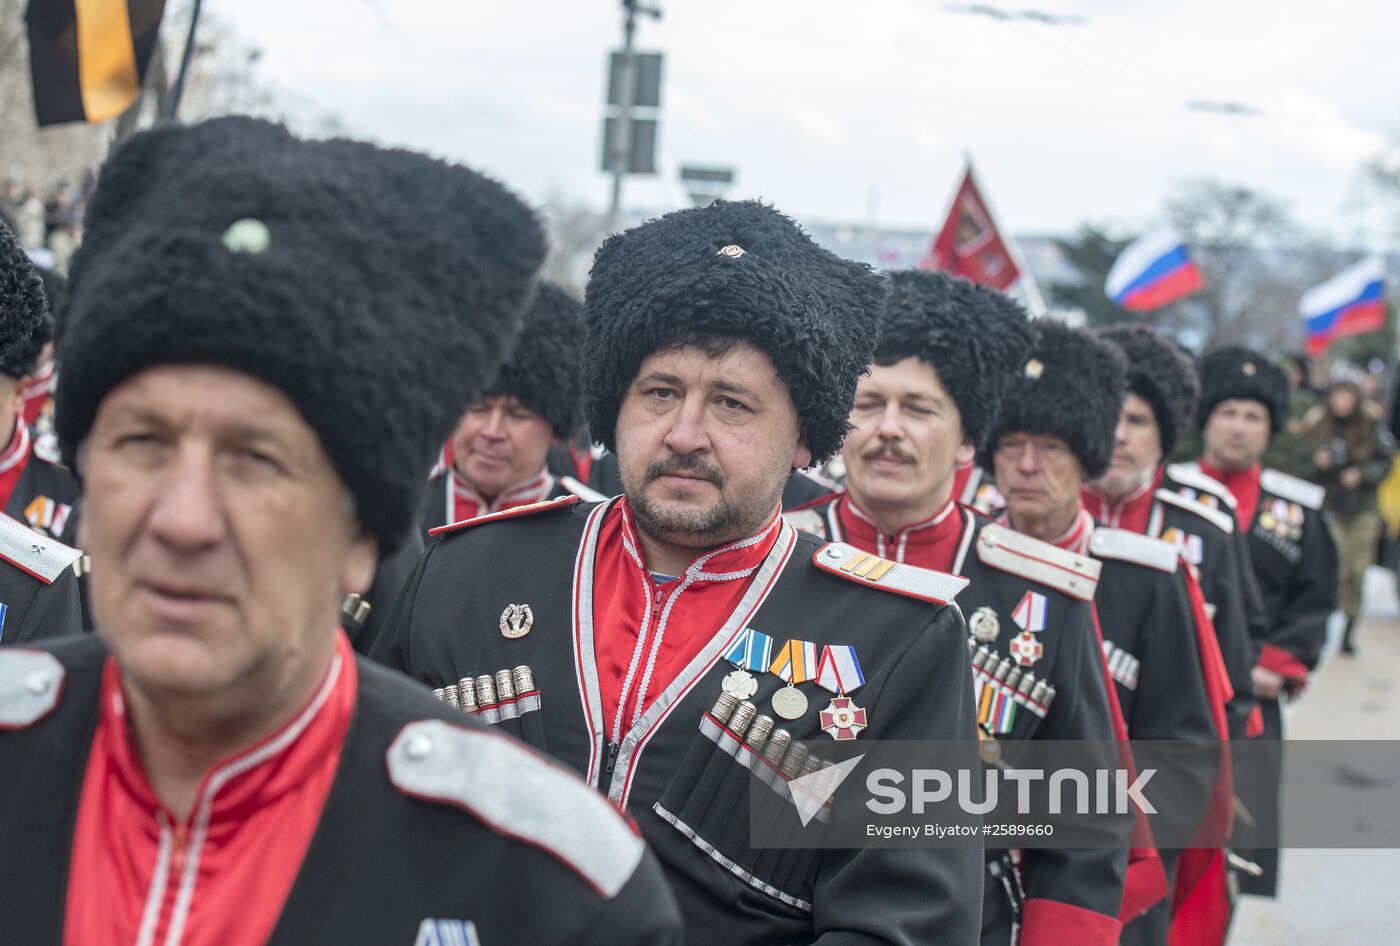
(89,57)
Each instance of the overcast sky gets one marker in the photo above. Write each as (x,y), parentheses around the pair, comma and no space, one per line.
(840,111)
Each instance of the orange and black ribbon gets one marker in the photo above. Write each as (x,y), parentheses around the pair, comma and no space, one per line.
(89,57)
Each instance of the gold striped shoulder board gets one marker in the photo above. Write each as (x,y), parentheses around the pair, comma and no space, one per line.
(848,562)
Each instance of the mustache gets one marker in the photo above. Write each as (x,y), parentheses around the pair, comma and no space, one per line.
(888,450)
(685,464)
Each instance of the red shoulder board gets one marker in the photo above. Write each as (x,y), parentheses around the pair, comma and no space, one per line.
(814,503)
(850,563)
(529,509)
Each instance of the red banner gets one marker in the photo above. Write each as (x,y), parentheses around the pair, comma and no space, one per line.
(969,244)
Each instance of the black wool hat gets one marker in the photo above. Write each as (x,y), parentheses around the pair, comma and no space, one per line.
(19,359)
(737,270)
(376,289)
(56,292)
(1162,375)
(543,369)
(1236,372)
(22,303)
(974,337)
(1071,386)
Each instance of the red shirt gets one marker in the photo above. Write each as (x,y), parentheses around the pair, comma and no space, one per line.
(13,461)
(221,877)
(645,633)
(930,543)
(1243,485)
(1131,512)
(467,503)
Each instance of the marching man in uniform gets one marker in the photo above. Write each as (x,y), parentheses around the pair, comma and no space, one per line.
(946,354)
(1140,494)
(215,765)
(1244,403)
(500,447)
(682,634)
(39,594)
(1053,433)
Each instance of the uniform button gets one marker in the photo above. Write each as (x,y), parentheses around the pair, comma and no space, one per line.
(39,682)
(833,552)
(418,746)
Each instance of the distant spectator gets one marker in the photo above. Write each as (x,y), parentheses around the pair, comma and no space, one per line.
(1348,451)
(1284,451)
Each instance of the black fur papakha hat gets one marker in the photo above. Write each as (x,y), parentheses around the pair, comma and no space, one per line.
(542,371)
(1071,386)
(1162,375)
(1235,372)
(974,337)
(56,293)
(20,359)
(22,302)
(737,270)
(376,289)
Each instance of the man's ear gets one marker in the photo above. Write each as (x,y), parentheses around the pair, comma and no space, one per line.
(801,457)
(966,453)
(361,562)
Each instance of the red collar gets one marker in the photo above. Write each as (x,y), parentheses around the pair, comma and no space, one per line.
(40,382)
(18,447)
(1243,485)
(465,496)
(1074,539)
(1131,511)
(911,543)
(250,779)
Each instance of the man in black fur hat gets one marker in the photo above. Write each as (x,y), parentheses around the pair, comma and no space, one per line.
(1054,433)
(38,587)
(34,487)
(249,313)
(1244,404)
(500,449)
(1140,493)
(664,630)
(947,352)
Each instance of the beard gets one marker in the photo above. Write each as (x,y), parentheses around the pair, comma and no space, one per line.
(731,518)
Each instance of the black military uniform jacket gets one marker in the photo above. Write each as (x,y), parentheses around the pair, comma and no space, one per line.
(46,496)
(1208,540)
(1147,621)
(1295,562)
(38,586)
(676,771)
(1030,598)
(430,817)
(362,615)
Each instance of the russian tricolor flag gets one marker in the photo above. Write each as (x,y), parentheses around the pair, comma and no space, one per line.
(1152,271)
(1350,303)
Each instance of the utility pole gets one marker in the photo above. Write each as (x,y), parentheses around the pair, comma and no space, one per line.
(621,152)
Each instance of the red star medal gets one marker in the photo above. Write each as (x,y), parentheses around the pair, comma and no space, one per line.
(842,719)
(1026,649)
